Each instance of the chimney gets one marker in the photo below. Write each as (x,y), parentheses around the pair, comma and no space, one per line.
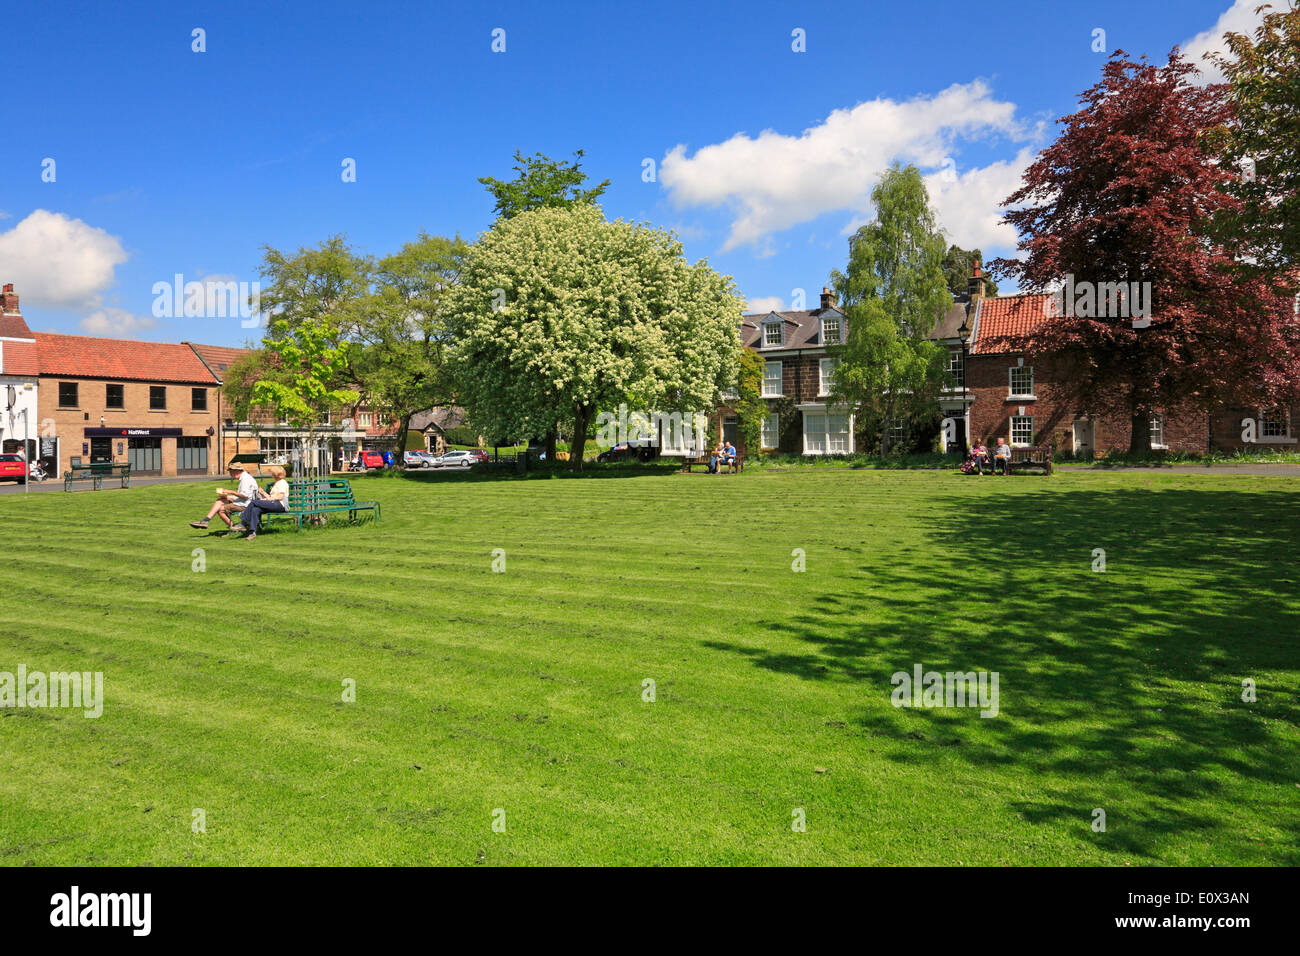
(9,300)
(828,298)
(975,284)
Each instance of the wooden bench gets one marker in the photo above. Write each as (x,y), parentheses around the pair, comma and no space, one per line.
(321,497)
(1039,456)
(691,459)
(97,472)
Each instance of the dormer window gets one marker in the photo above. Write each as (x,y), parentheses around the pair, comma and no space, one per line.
(772,334)
(831,331)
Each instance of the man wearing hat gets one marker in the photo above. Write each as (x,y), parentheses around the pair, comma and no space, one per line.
(231,501)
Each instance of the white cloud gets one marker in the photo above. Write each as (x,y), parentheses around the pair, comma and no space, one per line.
(765,304)
(1239,18)
(772,181)
(116,323)
(4,215)
(59,262)
(969,209)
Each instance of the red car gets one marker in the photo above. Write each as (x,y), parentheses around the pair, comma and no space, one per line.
(13,468)
(372,459)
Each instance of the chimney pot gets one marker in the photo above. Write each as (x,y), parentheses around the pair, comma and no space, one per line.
(9,300)
(828,298)
(975,284)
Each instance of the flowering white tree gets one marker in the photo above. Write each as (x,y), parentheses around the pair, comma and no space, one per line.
(560,313)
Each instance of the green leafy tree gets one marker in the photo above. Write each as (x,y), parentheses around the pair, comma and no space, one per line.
(303,362)
(541,183)
(560,313)
(893,292)
(750,407)
(1262,140)
(957,263)
(404,332)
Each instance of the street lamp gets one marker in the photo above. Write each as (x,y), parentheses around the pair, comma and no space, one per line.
(963,333)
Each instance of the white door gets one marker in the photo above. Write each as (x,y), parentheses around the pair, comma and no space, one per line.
(1085,445)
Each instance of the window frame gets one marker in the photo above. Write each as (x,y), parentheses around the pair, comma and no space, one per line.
(780,335)
(770,427)
(822,378)
(154,392)
(196,393)
(1155,428)
(957,366)
(1011,381)
(76,394)
(1011,431)
(780,378)
(108,403)
(839,331)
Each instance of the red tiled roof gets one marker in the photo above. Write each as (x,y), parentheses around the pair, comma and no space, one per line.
(219,357)
(18,358)
(85,357)
(12,326)
(1005,318)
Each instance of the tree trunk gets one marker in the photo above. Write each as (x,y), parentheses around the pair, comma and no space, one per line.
(1139,442)
(402,431)
(551,437)
(581,419)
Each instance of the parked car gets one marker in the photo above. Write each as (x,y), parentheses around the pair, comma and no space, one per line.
(417,459)
(456,459)
(13,468)
(371,459)
(479,454)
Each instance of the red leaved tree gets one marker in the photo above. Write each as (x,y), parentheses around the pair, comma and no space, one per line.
(1124,197)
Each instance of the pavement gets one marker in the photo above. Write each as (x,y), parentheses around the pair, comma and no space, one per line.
(110,484)
(1287,471)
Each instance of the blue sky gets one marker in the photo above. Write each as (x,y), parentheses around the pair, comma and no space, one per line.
(170,161)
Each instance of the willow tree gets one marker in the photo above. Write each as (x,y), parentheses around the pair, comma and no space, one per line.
(560,313)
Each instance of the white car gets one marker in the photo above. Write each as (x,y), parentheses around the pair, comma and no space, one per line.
(455,459)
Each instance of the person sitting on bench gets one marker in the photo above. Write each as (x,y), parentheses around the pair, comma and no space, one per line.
(714,458)
(1002,457)
(980,455)
(729,455)
(276,501)
(231,501)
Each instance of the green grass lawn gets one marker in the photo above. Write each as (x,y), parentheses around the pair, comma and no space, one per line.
(523,690)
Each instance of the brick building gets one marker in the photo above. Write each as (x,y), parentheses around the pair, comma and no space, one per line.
(796,379)
(339,435)
(151,404)
(1008,396)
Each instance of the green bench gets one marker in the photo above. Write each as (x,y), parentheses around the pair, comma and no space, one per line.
(321,497)
(97,472)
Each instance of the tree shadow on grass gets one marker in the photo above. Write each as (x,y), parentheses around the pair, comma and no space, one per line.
(1136,671)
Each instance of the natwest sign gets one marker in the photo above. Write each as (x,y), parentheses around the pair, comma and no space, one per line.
(133,432)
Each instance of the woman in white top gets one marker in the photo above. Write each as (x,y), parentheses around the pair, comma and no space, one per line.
(276,501)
